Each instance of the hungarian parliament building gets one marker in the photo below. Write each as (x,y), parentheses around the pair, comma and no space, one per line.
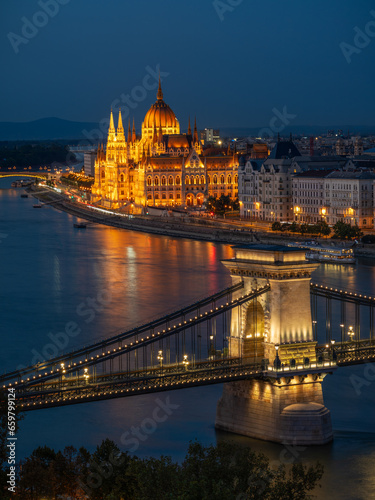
(162,167)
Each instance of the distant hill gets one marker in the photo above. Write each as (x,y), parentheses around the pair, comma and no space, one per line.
(44,129)
(297,130)
(56,128)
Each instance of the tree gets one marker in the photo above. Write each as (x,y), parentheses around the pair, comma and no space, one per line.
(344,231)
(294,227)
(323,228)
(276,226)
(37,476)
(222,204)
(207,473)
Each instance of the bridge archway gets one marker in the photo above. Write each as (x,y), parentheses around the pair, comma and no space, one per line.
(253,332)
(254,323)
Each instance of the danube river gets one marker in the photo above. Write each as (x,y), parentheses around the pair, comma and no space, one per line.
(49,269)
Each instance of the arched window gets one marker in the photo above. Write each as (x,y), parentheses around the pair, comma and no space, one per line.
(170,180)
(149,197)
(156,196)
(156,181)
(222,179)
(103,174)
(187,180)
(229,179)
(236,179)
(178,180)
(149,181)
(215,179)
(202,179)
(163,180)
(122,178)
(196,180)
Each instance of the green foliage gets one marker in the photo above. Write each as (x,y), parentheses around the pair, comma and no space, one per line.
(222,205)
(207,473)
(344,231)
(321,228)
(77,180)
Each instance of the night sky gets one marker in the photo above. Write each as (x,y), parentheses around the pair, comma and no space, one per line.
(230,62)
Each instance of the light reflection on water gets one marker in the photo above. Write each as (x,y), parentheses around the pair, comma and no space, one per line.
(48,268)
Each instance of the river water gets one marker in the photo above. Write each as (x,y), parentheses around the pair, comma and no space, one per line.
(51,272)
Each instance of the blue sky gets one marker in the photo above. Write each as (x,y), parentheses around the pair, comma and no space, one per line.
(229,62)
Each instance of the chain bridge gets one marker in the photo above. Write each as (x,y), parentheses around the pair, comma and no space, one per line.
(271,337)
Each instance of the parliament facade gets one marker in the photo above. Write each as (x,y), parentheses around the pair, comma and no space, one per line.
(162,167)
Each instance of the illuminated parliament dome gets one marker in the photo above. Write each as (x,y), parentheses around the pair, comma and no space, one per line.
(160,115)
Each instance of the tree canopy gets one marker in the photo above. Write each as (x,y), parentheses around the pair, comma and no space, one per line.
(217,472)
(344,231)
(222,204)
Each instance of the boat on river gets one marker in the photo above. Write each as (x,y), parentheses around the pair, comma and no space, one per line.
(329,254)
(336,255)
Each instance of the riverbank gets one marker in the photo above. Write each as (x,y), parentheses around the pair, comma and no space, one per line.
(182,227)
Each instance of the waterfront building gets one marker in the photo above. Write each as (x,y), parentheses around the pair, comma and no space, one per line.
(162,166)
(339,195)
(290,187)
(264,186)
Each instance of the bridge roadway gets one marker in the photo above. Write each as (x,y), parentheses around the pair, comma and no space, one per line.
(85,387)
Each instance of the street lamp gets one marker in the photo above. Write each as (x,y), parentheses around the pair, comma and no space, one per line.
(86,375)
(160,358)
(314,323)
(185,362)
(212,349)
(342,326)
(333,350)
(351,333)
(277,362)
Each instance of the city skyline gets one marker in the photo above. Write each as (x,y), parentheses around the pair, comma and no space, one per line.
(237,64)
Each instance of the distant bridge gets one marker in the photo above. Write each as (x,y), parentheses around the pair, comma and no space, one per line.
(25,173)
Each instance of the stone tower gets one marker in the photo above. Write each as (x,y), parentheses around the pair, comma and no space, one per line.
(286,403)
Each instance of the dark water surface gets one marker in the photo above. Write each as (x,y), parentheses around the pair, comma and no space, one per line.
(50,275)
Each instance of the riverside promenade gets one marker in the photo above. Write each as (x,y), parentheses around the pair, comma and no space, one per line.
(197,228)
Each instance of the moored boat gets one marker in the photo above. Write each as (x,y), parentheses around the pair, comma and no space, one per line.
(336,255)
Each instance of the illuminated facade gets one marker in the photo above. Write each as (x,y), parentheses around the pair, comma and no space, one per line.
(162,167)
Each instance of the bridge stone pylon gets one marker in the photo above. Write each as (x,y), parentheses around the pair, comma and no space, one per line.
(285,405)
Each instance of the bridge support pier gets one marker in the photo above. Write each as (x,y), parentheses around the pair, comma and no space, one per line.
(283,410)
(286,404)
